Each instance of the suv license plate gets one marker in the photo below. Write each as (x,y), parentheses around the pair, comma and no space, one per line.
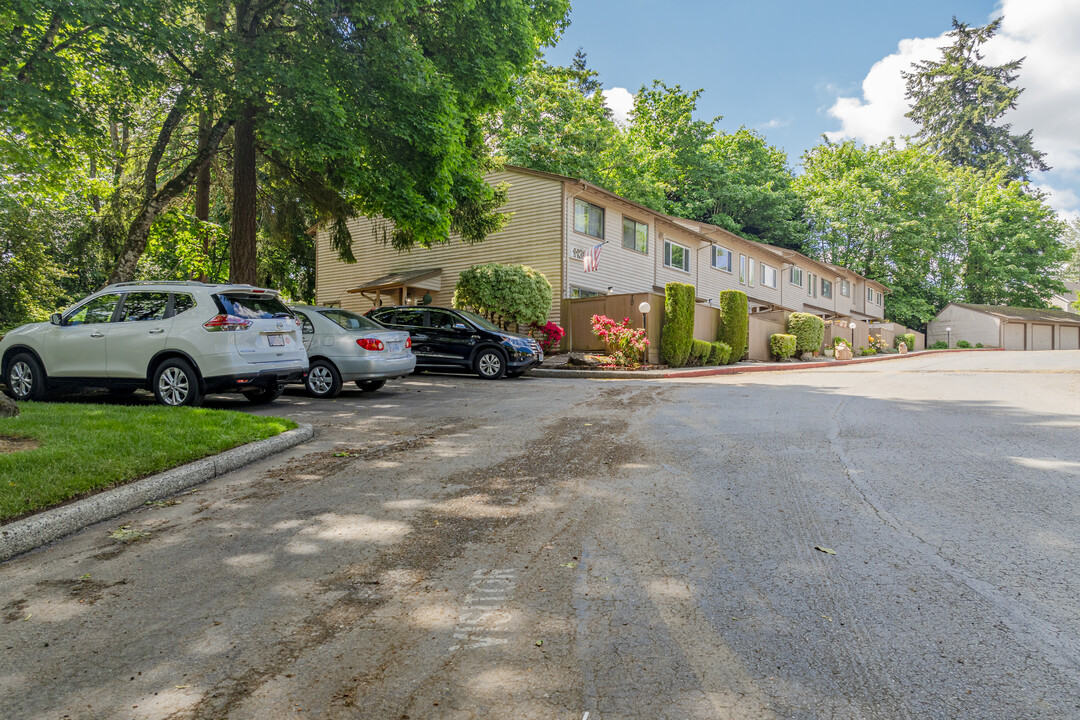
(276,340)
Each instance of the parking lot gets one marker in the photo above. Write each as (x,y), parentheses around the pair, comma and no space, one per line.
(882,541)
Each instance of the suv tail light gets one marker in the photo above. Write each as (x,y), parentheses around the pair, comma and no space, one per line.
(218,323)
(408,342)
(370,343)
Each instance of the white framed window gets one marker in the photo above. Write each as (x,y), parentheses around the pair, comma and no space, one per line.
(869,294)
(768,275)
(826,288)
(635,235)
(796,276)
(845,288)
(750,271)
(577,292)
(879,298)
(721,258)
(742,269)
(811,285)
(676,256)
(589,219)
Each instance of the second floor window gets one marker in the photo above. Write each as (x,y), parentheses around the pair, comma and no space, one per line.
(768,276)
(750,272)
(845,288)
(879,298)
(676,256)
(635,235)
(826,288)
(796,276)
(721,258)
(869,295)
(589,219)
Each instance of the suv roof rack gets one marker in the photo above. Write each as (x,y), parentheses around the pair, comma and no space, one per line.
(184,283)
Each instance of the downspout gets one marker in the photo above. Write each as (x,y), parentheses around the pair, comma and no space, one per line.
(565,282)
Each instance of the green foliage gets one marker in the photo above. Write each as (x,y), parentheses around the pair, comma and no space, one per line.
(958,102)
(963,344)
(720,354)
(906,338)
(677,335)
(505,293)
(809,331)
(978,345)
(733,328)
(939,345)
(700,350)
(782,346)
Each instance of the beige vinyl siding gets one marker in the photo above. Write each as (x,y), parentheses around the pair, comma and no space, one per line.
(714,280)
(966,324)
(533,237)
(622,269)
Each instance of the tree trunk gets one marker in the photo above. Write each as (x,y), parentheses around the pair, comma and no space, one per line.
(202,188)
(242,262)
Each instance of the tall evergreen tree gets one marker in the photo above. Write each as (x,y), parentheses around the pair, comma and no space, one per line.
(959,100)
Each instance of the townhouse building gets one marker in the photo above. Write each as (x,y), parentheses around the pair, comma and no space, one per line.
(555,220)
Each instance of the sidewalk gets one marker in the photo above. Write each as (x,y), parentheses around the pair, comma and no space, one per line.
(736,369)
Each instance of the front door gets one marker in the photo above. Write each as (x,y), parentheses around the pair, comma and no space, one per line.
(76,347)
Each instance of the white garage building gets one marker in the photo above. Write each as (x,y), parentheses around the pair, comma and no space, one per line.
(1013,328)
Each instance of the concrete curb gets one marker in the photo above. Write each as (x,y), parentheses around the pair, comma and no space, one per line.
(732,369)
(37,530)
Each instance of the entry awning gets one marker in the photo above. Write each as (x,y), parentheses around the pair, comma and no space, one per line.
(429,279)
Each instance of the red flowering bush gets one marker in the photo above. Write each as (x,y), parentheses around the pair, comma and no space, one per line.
(624,343)
(549,336)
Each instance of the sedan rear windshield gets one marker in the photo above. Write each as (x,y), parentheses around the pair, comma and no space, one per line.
(253,307)
(350,321)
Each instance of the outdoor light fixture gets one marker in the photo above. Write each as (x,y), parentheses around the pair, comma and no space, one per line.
(610,290)
(644,309)
(948,336)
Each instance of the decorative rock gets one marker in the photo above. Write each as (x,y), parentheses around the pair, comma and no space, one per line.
(843,352)
(583,360)
(806,357)
(902,347)
(8,408)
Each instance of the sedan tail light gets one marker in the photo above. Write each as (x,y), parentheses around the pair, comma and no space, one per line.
(370,343)
(220,323)
(408,342)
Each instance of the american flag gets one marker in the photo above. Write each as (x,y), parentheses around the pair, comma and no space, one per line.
(592,258)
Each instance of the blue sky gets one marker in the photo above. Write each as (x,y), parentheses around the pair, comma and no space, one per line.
(796,69)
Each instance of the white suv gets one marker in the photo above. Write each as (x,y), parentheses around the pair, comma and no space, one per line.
(179,339)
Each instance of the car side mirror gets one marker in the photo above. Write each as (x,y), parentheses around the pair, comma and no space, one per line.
(460,326)
(56,319)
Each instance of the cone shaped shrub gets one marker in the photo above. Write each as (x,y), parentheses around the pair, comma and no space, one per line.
(677,336)
(734,327)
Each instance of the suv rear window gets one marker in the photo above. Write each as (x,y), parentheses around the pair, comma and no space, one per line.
(252,307)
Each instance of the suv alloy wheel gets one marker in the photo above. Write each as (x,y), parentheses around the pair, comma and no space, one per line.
(490,364)
(25,378)
(176,384)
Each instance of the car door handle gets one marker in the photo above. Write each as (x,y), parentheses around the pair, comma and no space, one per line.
(474,337)
(157,331)
(97,333)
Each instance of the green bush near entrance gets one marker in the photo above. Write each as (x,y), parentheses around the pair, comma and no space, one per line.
(720,354)
(676,338)
(700,350)
(504,294)
(809,331)
(734,326)
(782,346)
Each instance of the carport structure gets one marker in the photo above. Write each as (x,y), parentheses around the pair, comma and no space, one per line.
(1012,328)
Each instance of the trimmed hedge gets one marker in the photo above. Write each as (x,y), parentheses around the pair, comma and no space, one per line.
(782,346)
(809,331)
(721,351)
(677,336)
(734,327)
(906,338)
(699,352)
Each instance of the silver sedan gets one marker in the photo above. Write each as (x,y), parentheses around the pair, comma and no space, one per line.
(343,346)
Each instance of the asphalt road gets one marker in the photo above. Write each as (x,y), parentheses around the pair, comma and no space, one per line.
(544,548)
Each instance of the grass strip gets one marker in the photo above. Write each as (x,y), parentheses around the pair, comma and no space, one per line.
(87,448)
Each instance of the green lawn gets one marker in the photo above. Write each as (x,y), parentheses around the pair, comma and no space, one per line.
(86,448)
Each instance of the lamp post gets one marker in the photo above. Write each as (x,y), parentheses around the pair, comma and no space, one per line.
(948,337)
(853,324)
(644,309)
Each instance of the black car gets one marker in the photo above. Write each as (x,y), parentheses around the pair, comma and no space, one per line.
(445,339)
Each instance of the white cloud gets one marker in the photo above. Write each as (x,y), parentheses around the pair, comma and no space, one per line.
(1066,201)
(621,102)
(1044,32)
(775,123)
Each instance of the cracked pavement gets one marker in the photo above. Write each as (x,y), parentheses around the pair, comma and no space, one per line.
(545,548)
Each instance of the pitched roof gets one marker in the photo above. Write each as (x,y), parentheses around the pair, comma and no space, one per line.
(396,279)
(1005,312)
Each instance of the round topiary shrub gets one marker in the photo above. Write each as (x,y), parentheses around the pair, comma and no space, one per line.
(504,294)
(809,331)
(734,326)
(782,346)
(677,335)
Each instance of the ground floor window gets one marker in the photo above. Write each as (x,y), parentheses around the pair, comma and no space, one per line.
(576,292)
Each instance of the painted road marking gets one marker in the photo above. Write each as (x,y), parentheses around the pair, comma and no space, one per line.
(482,612)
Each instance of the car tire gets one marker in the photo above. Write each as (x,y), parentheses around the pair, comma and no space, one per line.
(322,380)
(264,395)
(25,378)
(490,364)
(177,385)
(370,385)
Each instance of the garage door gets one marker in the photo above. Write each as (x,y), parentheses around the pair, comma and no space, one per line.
(1070,338)
(1042,337)
(1014,336)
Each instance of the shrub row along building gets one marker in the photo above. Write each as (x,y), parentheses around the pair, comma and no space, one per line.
(559,225)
